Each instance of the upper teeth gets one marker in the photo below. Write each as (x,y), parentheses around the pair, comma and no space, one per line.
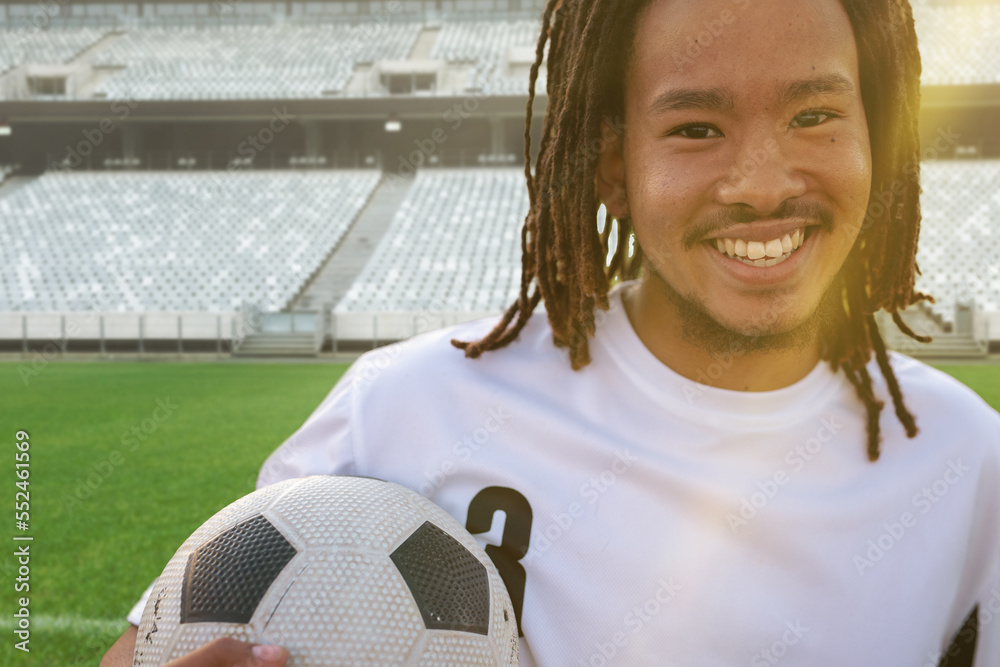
(759,253)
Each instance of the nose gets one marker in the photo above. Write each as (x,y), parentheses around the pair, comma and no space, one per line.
(761,177)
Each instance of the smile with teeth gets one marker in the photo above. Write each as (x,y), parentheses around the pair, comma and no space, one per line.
(759,253)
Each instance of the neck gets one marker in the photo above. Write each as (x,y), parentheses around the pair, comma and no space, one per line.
(693,345)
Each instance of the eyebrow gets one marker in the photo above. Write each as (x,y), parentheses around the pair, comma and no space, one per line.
(721,99)
(828,84)
(711,99)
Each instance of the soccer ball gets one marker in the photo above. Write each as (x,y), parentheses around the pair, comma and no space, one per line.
(340,571)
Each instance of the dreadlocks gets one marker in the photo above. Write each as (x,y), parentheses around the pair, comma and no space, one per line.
(564,254)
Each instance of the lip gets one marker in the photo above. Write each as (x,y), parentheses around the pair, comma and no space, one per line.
(759,276)
(762,231)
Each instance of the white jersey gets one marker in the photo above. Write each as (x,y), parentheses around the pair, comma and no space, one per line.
(639,517)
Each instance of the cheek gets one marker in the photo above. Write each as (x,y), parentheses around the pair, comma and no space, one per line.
(850,170)
(664,192)
(851,185)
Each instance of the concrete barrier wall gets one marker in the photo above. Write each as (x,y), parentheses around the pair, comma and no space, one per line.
(209,326)
(395,326)
(117,326)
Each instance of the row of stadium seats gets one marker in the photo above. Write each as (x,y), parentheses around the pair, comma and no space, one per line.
(487,44)
(23,47)
(960,45)
(247,62)
(164,241)
(453,245)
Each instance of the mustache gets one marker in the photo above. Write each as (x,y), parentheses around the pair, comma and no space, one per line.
(724,218)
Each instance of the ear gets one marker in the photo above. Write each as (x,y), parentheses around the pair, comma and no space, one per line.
(609,177)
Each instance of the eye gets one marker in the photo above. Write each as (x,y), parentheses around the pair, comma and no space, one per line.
(696,132)
(812,118)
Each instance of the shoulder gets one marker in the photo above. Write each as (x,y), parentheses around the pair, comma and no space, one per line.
(429,367)
(953,420)
(938,393)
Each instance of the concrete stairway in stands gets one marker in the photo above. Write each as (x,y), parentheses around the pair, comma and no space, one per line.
(945,344)
(278,345)
(349,257)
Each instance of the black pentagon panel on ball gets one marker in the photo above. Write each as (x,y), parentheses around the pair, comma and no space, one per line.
(451,587)
(226,578)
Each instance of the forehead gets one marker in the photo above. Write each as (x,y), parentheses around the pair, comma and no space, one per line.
(753,46)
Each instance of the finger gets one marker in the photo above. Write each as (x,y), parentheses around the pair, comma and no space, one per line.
(268,655)
(228,652)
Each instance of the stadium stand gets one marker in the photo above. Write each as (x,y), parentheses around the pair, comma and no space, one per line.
(149,241)
(487,45)
(959,44)
(959,250)
(56,45)
(194,59)
(454,245)
(247,62)
(204,242)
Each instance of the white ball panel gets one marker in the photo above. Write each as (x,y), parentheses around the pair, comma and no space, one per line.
(449,648)
(332,609)
(368,514)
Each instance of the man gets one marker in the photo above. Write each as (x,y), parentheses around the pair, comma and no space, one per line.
(705,478)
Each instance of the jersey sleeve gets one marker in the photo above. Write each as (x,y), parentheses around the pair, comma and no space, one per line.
(323,445)
(135,614)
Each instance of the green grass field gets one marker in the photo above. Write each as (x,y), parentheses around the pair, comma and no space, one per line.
(104,525)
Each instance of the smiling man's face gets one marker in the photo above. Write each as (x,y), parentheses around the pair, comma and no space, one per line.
(745,161)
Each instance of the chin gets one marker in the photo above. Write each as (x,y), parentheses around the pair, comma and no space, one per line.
(777,324)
